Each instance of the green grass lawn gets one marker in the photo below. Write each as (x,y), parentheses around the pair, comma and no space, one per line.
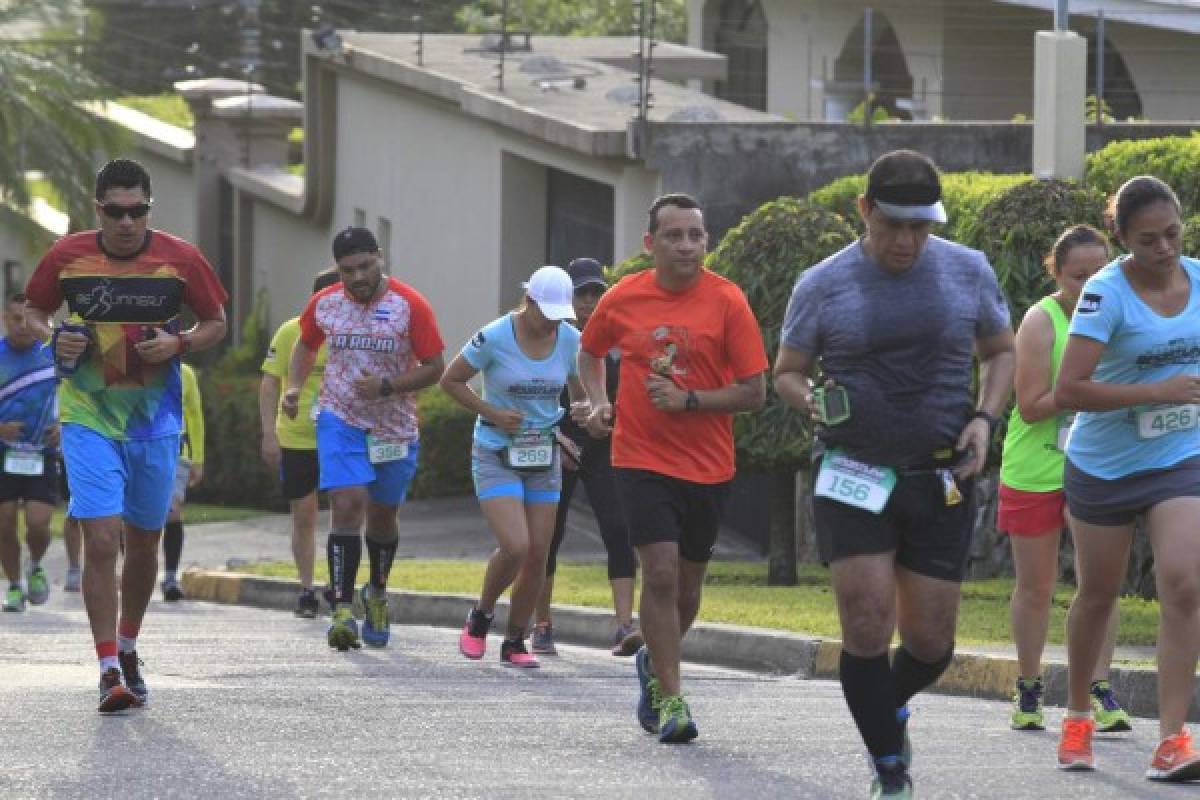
(737,593)
(169,107)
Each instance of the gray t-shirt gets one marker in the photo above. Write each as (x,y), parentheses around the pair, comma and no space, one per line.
(902,345)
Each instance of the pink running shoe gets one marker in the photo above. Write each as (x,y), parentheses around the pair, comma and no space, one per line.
(514,654)
(472,642)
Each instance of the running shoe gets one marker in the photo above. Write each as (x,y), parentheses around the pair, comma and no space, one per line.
(514,654)
(1174,759)
(114,697)
(306,605)
(343,630)
(171,591)
(1109,716)
(1075,746)
(650,699)
(14,599)
(1027,706)
(541,640)
(73,581)
(130,664)
(472,642)
(902,715)
(891,780)
(39,586)
(376,623)
(628,640)
(675,724)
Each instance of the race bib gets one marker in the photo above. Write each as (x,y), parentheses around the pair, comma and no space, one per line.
(853,483)
(24,462)
(1155,422)
(531,450)
(1064,430)
(381,452)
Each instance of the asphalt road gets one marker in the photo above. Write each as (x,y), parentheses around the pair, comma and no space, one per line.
(251,703)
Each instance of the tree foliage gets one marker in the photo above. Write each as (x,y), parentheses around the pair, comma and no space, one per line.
(572,18)
(44,125)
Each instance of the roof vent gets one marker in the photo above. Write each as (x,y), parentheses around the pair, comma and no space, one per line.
(696,113)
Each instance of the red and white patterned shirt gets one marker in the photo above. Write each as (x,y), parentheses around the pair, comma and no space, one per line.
(384,338)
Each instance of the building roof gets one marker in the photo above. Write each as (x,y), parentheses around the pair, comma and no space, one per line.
(1171,15)
(570,91)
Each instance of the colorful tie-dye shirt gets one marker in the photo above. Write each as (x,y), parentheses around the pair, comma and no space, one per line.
(27,392)
(386,338)
(122,300)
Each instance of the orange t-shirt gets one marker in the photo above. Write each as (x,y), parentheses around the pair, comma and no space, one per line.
(703,338)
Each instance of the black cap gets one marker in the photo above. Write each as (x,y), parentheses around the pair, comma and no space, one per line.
(354,240)
(584,271)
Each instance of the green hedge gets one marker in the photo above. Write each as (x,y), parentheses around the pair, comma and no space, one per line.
(446,431)
(1174,159)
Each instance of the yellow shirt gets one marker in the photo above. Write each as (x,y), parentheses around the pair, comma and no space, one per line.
(299,433)
(193,416)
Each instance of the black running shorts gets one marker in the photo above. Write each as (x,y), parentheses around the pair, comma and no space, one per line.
(298,473)
(660,508)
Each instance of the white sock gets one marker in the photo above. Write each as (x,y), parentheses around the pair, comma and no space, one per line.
(109,662)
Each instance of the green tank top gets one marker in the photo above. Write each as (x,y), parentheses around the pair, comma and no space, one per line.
(1032,460)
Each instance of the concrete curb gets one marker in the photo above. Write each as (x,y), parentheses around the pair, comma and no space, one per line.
(753,649)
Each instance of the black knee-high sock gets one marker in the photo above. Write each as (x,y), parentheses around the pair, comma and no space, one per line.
(867,685)
(910,676)
(344,550)
(172,546)
(381,554)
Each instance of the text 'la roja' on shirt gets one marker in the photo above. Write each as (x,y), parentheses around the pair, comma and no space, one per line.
(113,391)
(901,344)
(514,381)
(384,338)
(703,338)
(1140,346)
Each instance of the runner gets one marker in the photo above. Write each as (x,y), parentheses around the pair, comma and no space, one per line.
(189,471)
(892,322)
(28,449)
(1032,506)
(384,346)
(120,399)
(526,359)
(590,461)
(691,357)
(289,446)
(1132,368)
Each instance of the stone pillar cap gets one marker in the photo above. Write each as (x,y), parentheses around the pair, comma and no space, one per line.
(213,88)
(258,106)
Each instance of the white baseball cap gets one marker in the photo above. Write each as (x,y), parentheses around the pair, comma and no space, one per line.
(551,289)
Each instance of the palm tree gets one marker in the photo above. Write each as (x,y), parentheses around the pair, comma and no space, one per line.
(45,124)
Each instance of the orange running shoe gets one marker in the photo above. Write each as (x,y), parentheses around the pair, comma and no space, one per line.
(1175,760)
(1075,746)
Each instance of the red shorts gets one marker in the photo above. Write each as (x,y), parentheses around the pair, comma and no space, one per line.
(1030,513)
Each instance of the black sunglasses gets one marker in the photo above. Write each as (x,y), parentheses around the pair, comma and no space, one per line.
(117,211)
(590,290)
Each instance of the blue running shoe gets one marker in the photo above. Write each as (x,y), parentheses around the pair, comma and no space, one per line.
(376,624)
(650,700)
(675,723)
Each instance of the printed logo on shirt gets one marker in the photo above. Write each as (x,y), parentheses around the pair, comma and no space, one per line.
(668,350)
(381,315)
(362,341)
(1089,303)
(478,339)
(1176,352)
(537,387)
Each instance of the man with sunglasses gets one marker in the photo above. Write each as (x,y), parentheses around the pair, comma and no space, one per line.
(589,460)
(383,346)
(126,287)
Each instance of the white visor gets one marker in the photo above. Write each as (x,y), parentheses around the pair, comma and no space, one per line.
(929,213)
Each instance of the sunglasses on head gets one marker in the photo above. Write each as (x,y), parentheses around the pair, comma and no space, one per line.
(118,211)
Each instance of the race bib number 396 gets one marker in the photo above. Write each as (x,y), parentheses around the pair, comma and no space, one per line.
(854,483)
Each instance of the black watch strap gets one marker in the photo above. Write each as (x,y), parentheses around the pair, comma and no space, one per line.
(385,388)
(991,421)
(693,402)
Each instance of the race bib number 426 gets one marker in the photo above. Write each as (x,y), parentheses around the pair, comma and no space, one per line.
(1155,422)
(854,483)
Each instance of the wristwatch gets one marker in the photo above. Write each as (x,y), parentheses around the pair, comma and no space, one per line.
(385,387)
(991,421)
(693,402)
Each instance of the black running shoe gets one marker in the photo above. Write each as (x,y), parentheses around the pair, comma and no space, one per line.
(114,697)
(306,605)
(130,664)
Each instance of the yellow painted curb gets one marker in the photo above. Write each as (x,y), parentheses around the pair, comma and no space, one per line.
(829,656)
(212,587)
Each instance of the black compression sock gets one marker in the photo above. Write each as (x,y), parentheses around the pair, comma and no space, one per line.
(172,546)
(344,550)
(910,676)
(867,685)
(381,556)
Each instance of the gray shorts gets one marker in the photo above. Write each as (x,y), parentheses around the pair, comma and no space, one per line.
(183,471)
(493,478)
(1097,501)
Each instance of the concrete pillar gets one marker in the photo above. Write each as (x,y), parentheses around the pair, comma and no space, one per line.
(1059,95)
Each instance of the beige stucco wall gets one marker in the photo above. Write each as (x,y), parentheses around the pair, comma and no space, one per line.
(438,175)
(286,253)
(174,194)
(1164,66)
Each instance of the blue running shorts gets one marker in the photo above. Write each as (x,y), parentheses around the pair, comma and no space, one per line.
(132,479)
(343,461)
